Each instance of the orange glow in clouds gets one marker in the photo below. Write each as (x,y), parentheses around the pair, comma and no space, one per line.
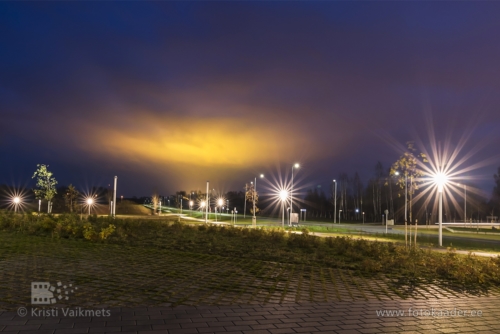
(200,142)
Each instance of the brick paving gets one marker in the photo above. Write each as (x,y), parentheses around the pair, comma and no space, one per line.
(156,277)
(201,293)
(332,317)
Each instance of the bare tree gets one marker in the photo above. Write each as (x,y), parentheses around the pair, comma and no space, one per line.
(155,199)
(70,197)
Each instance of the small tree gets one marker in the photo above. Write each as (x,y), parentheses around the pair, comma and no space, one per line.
(407,168)
(45,185)
(251,196)
(155,199)
(70,197)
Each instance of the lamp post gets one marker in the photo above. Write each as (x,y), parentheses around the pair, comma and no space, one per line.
(335,204)
(296,165)
(283,194)
(440,191)
(220,202)
(16,201)
(159,212)
(465,203)
(206,206)
(202,206)
(245,205)
(254,220)
(90,201)
(363,218)
(339,215)
(440,180)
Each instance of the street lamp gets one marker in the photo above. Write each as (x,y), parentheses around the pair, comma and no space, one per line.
(220,202)
(335,204)
(190,205)
(283,195)
(363,217)
(254,220)
(202,206)
(296,165)
(16,201)
(339,215)
(440,180)
(465,202)
(90,202)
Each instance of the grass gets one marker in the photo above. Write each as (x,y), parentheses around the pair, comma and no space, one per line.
(366,258)
(463,242)
(476,230)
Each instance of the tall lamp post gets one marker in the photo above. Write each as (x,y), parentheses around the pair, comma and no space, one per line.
(465,203)
(207,204)
(254,220)
(90,201)
(339,215)
(440,180)
(202,206)
(296,165)
(220,202)
(335,204)
(16,201)
(245,204)
(283,194)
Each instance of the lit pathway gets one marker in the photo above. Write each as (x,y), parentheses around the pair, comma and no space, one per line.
(428,316)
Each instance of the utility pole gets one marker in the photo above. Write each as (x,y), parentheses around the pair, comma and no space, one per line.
(335,204)
(206,206)
(114,197)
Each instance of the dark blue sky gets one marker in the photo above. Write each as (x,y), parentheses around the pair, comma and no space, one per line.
(167,95)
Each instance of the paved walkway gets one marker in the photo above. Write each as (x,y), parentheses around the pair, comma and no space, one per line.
(409,316)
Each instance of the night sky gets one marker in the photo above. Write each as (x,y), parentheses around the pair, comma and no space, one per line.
(167,95)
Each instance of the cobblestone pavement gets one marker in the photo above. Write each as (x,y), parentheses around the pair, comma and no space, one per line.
(418,316)
(148,276)
(201,293)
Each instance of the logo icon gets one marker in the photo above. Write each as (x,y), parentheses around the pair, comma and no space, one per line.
(43,293)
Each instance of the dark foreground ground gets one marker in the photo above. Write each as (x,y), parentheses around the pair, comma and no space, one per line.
(418,316)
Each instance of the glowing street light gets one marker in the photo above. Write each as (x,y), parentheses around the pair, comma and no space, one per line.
(283,195)
(440,180)
(296,165)
(16,200)
(190,205)
(220,203)
(90,203)
(202,206)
